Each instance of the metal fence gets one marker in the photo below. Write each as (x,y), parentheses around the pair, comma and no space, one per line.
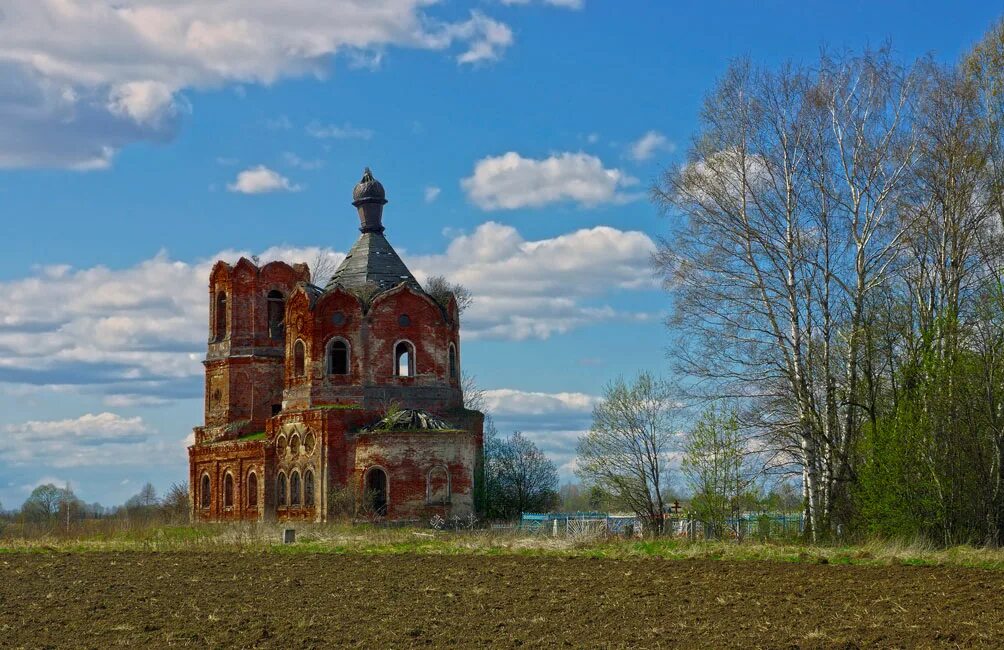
(763,526)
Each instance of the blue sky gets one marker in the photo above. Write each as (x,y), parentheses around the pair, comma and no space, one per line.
(141,140)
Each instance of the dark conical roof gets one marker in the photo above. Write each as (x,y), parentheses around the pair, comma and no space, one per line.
(372,261)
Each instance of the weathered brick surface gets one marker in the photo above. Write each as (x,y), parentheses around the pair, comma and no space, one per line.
(252,386)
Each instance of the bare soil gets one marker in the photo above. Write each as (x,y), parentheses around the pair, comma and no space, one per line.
(135,599)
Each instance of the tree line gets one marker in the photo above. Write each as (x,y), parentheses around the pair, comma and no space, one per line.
(54,507)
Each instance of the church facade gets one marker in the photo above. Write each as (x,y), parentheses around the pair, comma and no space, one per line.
(346,399)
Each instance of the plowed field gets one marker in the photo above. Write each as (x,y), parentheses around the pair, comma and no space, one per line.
(99,600)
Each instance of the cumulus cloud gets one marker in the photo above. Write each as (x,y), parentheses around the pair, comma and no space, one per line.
(647,145)
(511,181)
(261,180)
(535,289)
(80,79)
(89,440)
(431,194)
(508,402)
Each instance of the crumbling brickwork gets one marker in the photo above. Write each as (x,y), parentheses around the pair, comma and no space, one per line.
(297,376)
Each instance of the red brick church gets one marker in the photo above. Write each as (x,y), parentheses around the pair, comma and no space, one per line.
(337,400)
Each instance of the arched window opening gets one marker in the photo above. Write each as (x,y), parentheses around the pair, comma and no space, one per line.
(308,489)
(294,444)
(205,493)
(280,490)
(252,490)
(228,491)
(404,359)
(220,321)
(338,357)
(299,358)
(437,488)
(453,361)
(376,490)
(294,489)
(276,315)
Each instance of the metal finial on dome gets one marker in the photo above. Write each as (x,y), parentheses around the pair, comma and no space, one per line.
(368,190)
(369,198)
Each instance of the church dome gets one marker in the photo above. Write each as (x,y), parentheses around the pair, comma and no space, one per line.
(368,190)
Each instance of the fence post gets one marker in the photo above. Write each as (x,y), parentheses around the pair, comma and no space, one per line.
(554,528)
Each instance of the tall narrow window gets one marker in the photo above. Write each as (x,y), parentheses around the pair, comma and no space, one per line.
(437,488)
(308,489)
(276,315)
(299,358)
(338,357)
(205,492)
(228,491)
(453,362)
(220,322)
(294,489)
(404,359)
(252,490)
(280,490)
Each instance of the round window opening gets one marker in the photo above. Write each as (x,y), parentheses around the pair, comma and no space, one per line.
(338,318)
(404,320)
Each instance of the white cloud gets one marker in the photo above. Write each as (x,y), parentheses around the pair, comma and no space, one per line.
(343,132)
(511,181)
(506,402)
(79,79)
(145,102)
(89,440)
(647,145)
(431,194)
(567,4)
(535,289)
(488,38)
(260,180)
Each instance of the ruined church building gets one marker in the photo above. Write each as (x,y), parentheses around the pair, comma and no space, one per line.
(334,400)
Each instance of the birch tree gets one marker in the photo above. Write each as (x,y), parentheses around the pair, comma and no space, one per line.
(785,223)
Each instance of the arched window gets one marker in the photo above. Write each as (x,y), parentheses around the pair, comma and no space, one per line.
(299,358)
(453,361)
(294,488)
(220,322)
(437,487)
(404,359)
(276,315)
(280,490)
(252,490)
(205,493)
(294,444)
(338,357)
(308,489)
(228,490)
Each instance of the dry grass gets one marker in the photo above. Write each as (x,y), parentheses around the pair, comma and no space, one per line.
(366,539)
